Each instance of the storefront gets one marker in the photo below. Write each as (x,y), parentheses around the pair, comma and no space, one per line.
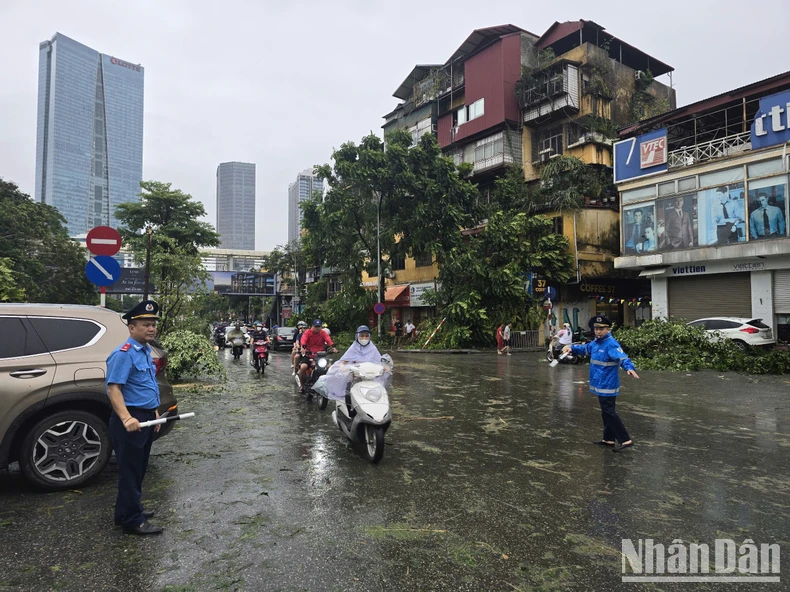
(625,302)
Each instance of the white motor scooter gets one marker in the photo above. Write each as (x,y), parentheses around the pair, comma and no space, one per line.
(364,416)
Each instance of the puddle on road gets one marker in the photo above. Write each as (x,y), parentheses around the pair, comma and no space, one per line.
(488,482)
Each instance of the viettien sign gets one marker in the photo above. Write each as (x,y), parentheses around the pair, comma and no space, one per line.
(640,156)
(416,292)
(771,124)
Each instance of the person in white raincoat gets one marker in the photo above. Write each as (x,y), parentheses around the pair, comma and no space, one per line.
(362,350)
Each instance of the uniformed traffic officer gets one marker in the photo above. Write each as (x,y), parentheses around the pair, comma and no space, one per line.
(134,395)
(606,355)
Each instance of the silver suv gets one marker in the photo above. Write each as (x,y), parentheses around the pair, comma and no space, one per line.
(54,409)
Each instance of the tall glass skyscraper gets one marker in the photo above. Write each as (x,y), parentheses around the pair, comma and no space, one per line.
(300,190)
(89,146)
(236,205)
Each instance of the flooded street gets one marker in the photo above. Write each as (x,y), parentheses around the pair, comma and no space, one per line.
(489,481)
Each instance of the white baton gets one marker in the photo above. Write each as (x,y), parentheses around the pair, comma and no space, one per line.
(153,422)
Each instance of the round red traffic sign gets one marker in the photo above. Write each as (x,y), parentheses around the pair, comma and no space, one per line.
(103,240)
(379,308)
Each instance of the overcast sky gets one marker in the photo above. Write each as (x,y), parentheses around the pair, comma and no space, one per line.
(281,84)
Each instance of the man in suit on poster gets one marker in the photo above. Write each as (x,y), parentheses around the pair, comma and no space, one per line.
(678,226)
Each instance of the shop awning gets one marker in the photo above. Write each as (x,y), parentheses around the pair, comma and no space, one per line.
(397,296)
(654,272)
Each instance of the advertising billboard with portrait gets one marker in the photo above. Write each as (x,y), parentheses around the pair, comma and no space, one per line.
(767,209)
(639,224)
(676,222)
(722,215)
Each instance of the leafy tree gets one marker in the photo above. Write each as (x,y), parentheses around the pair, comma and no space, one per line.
(482,282)
(190,354)
(424,202)
(42,263)
(176,239)
(9,290)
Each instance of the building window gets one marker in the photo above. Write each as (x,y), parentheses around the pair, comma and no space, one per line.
(398,262)
(460,116)
(476,109)
(425,260)
(549,143)
(558,226)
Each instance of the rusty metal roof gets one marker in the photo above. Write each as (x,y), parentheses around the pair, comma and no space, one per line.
(480,37)
(560,31)
(762,87)
(417,73)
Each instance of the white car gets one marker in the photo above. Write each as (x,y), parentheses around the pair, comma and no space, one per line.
(743,332)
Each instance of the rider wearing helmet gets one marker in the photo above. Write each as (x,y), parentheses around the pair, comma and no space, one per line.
(296,352)
(326,328)
(313,341)
(260,333)
(235,332)
(362,350)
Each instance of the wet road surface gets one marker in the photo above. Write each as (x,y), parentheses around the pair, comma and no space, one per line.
(489,482)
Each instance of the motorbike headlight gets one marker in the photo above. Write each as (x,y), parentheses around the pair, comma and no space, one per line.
(322,363)
(372,394)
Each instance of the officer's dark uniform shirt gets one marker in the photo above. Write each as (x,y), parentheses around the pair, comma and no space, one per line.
(131,366)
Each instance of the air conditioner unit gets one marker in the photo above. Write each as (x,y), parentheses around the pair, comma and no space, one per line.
(638,75)
(434,128)
(545,155)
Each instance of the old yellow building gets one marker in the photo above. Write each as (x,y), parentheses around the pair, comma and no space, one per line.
(583,85)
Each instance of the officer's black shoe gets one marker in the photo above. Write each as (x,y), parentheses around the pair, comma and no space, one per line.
(143,529)
(146,514)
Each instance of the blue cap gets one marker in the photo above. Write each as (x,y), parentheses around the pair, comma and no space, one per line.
(317,323)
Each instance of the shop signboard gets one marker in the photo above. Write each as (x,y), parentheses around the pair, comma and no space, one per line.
(771,124)
(417,291)
(641,156)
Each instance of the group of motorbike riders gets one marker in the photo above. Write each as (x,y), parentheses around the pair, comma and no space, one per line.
(308,342)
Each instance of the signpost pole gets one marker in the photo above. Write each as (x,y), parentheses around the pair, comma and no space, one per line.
(103,301)
(148,231)
(378,257)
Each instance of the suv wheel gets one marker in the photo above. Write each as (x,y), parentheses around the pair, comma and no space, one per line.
(65,450)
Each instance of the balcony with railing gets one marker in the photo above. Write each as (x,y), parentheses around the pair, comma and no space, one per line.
(552,90)
(500,149)
(719,148)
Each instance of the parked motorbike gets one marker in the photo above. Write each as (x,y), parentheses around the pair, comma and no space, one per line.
(260,351)
(554,352)
(237,347)
(364,415)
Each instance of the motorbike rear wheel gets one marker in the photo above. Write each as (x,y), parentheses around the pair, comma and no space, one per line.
(549,356)
(322,403)
(373,442)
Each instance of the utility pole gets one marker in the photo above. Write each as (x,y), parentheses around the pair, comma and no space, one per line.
(378,256)
(149,231)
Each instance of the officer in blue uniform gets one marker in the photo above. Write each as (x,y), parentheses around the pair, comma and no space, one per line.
(606,357)
(134,395)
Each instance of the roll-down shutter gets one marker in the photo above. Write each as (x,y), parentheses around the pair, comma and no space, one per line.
(782,291)
(720,295)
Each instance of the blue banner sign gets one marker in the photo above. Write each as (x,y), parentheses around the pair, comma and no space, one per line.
(640,156)
(771,124)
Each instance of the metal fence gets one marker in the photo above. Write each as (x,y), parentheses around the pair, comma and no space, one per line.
(530,340)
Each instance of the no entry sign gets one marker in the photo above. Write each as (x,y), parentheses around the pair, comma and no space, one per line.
(103,240)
